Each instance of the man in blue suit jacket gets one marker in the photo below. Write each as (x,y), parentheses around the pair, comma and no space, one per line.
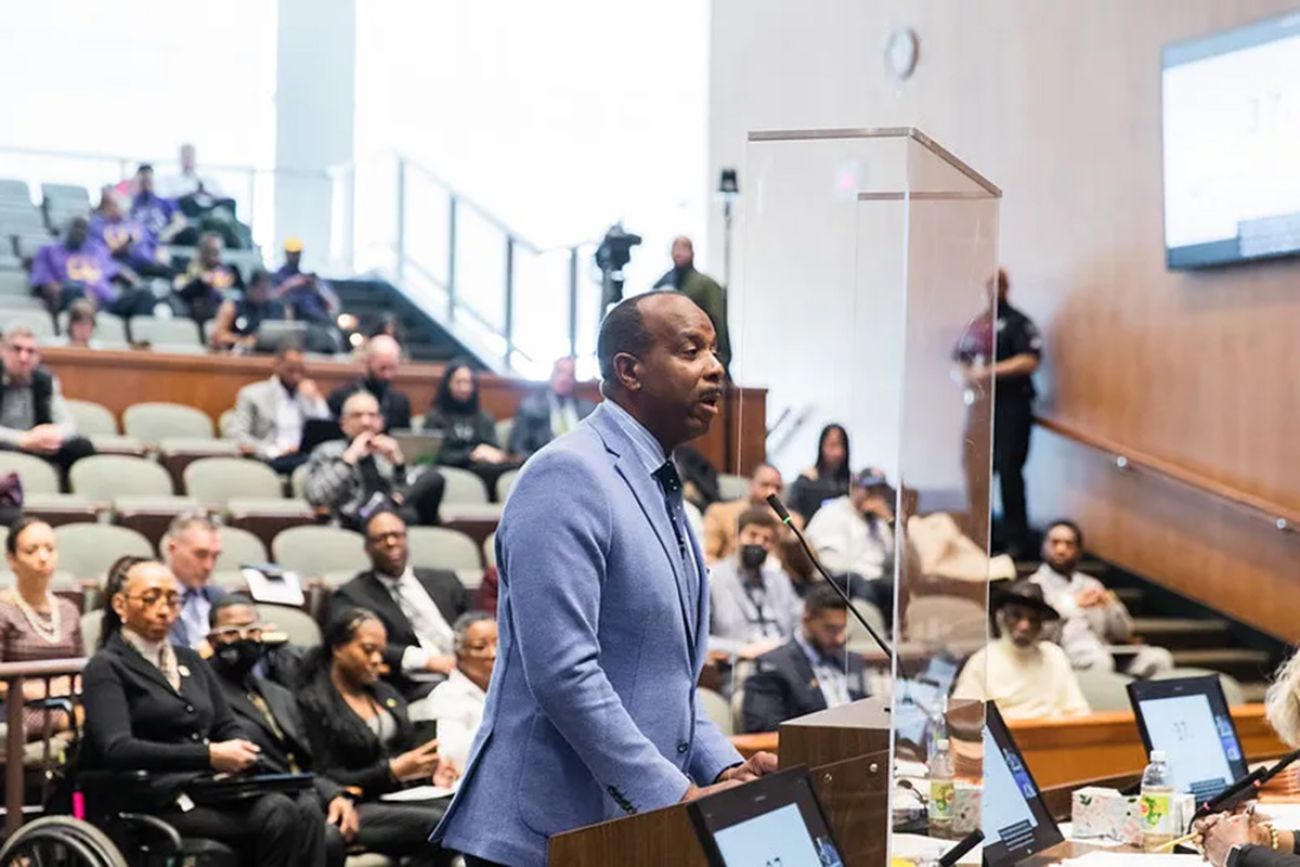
(192,546)
(603,612)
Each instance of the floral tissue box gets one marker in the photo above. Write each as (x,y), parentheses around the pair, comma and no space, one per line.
(1098,812)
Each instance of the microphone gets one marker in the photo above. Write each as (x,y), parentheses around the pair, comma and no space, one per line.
(777,506)
(1233,792)
(967,843)
(1281,765)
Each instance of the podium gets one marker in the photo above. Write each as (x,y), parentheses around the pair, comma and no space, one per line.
(847,750)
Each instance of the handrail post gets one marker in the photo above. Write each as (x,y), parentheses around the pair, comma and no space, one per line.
(400,246)
(509,325)
(14,757)
(573,301)
(451,256)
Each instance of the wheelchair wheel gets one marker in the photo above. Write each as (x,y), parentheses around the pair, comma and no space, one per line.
(60,841)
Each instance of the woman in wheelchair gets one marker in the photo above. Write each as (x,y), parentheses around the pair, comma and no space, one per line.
(35,624)
(362,738)
(155,707)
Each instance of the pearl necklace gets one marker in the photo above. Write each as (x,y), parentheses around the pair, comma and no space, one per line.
(50,632)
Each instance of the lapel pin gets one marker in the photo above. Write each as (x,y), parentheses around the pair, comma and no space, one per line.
(392,702)
(184,670)
(812,684)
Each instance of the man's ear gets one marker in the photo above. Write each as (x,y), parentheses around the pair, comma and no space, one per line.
(627,371)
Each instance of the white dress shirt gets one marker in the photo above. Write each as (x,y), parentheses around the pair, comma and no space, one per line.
(1085,633)
(847,542)
(431,629)
(457,704)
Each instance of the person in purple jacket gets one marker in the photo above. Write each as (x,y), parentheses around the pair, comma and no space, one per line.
(160,217)
(79,266)
(127,239)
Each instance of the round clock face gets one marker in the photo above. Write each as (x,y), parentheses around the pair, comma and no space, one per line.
(901,52)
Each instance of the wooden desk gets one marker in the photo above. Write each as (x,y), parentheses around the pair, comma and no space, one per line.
(117,379)
(1068,752)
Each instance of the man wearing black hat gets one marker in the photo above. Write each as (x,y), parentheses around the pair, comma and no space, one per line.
(1026,676)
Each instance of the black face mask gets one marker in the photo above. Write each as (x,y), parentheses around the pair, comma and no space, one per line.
(752,556)
(238,657)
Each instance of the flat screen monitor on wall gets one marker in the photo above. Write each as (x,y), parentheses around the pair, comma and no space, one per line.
(1231,122)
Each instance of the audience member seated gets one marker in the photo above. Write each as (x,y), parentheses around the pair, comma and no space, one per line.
(160,217)
(1095,628)
(270,415)
(306,294)
(35,624)
(34,418)
(1028,677)
(382,356)
(241,314)
(721,519)
(200,290)
(365,472)
(81,324)
(188,181)
(457,703)
(192,546)
(545,415)
(853,535)
(707,294)
(127,240)
(157,708)
(752,604)
(269,714)
(362,738)
(812,671)
(416,606)
(828,479)
(469,436)
(81,267)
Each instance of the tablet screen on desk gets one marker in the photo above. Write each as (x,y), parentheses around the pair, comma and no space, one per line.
(774,820)
(1188,719)
(1015,821)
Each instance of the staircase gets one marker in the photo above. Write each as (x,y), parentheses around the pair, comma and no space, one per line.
(423,338)
(1196,635)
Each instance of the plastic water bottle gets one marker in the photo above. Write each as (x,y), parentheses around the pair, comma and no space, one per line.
(1156,803)
(943,791)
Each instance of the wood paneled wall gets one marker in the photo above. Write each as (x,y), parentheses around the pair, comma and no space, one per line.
(1059,104)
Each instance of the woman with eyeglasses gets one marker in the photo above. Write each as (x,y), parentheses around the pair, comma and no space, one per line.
(35,624)
(362,737)
(156,707)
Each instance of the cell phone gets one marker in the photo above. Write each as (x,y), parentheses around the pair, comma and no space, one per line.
(424,730)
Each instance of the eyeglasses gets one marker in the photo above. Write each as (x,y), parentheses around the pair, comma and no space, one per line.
(479,648)
(153,597)
(390,536)
(235,633)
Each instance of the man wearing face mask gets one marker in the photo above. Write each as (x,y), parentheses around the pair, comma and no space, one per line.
(753,606)
(268,714)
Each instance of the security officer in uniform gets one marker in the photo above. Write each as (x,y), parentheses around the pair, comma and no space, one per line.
(1016,349)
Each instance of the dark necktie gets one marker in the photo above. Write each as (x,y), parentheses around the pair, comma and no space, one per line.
(372,481)
(668,479)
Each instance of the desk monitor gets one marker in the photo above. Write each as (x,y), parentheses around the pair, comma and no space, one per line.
(775,819)
(1015,820)
(1188,718)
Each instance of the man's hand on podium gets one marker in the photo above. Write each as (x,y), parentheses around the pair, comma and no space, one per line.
(759,763)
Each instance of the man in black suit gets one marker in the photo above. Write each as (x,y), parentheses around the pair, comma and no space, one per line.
(269,714)
(383,354)
(810,672)
(417,607)
(545,415)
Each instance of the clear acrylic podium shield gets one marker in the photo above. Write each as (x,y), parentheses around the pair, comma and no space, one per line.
(869,258)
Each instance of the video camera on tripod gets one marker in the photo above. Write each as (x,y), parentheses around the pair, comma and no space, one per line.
(612,256)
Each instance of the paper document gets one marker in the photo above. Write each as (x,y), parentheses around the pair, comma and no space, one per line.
(418,793)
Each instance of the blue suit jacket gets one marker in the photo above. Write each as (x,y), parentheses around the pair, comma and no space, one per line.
(591,711)
(178,634)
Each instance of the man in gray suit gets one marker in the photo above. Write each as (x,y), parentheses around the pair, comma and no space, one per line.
(755,608)
(269,415)
(604,610)
(545,415)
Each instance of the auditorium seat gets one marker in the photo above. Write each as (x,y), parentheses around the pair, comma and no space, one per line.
(1232,690)
(369,859)
(1104,690)
(104,478)
(109,444)
(14,285)
(505,482)
(27,243)
(88,550)
(59,509)
(959,622)
(297,624)
(313,551)
(239,546)
(41,497)
(441,548)
(92,624)
(152,422)
(165,333)
(36,475)
(11,304)
(463,487)
(150,516)
(177,454)
(267,518)
(856,638)
(472,579)
(15,190)
(38,321)
(490,551)
(92,419)
(732,487)
(215,481)
(110,330)
(298,482)
(226,424)
(504,428)
(717,708)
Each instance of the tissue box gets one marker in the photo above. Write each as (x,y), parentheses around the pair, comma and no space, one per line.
(966,808)
(1099,812)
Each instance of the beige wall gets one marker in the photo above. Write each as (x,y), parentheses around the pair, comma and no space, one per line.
(1059,104)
